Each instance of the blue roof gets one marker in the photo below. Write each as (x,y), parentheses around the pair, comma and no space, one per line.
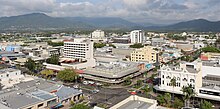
(42,95)
(67,92)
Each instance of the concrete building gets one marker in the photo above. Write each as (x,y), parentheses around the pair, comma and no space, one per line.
(137,36)
(185,73)
(98,34)
(203,76)
(145,54)
(78,49)
(157,42)
(37,94)
(112,72)
(209,56)
(136,102)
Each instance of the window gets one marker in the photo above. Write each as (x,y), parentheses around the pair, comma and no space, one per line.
(192,80)
(163,76)
(7,75)
(39,105)
(163,82)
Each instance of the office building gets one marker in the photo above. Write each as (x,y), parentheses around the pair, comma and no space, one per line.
(137,36)
(78,49)
(145,54)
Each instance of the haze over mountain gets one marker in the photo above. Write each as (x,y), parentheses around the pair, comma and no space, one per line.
(192,25)
(39,21)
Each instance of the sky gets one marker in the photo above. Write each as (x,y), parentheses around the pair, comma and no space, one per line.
(146,11)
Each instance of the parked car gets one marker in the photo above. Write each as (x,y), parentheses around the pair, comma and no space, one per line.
(85,82)
(91,82)
(95,91)
(98,84)
(76,86)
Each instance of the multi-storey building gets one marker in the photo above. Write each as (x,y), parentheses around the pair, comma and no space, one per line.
(145,54)
(78,49)
(98,34)
(137,36)
(185,74)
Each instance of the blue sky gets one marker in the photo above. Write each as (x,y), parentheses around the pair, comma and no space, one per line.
(146,11)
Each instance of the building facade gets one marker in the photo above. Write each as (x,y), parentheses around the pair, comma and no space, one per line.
(78,49)
(145,54)
(137,36)
(98,34)
(185,74)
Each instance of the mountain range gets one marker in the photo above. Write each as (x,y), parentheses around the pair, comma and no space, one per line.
(39,21)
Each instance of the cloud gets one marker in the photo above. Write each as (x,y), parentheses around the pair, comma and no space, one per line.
(152,11)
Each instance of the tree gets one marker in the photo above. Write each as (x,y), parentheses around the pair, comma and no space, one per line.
(127,81)
(161,100)
(173,83)
(188,92)
(111,45)
(99,45)
(136,45)
(210,49)
(167,98)
(80,106)
(54,44)
(53,60)
(178,104)
(30,64)
(147,89)
(67,75)
(206,105)
(47,73)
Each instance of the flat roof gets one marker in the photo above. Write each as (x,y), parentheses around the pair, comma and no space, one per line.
(42,95)
(135,104)
(17,100)
(65,92)
(8,70)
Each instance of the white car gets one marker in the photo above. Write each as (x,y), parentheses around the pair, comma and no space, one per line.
(76,86)
(91,82)
(98,84)
(85,82)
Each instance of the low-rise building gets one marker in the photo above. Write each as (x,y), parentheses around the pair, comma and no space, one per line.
(112,72)
(37,94)
(157,42)
(136,102)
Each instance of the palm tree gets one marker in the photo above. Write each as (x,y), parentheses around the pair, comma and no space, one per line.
(161,100)
(173,83)
(188,92)
(167,98)
(147,90)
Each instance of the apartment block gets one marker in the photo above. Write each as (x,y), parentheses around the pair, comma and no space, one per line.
(137,36)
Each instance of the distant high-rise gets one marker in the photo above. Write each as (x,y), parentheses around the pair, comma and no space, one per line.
(98,34)
(137,36)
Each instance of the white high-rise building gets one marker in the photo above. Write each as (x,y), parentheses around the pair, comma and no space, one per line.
(78,49)
(98,34)
(137,36)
